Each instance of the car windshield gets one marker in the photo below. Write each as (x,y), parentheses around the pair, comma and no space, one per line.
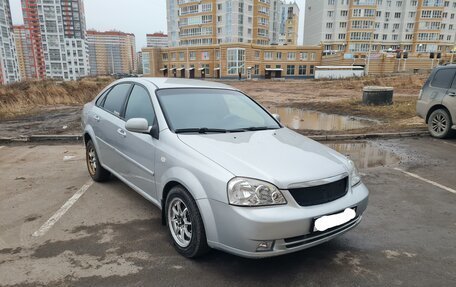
(212,110)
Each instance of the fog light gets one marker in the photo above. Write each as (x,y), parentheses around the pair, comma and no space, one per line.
(265,246)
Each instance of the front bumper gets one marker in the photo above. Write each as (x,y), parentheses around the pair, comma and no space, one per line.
(239,230)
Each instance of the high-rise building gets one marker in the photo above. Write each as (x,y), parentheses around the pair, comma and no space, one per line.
(25,56)
(56,31)
(9,69)
(157,40)
(289,24)
(33,39)
(139,61)
(206,22)
(111,52)
(362,25)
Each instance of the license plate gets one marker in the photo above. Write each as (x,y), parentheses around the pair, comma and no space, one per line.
(329,221)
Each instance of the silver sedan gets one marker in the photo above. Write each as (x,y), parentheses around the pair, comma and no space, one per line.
(224,172)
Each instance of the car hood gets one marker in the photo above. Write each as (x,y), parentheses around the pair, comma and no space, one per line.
(281,156)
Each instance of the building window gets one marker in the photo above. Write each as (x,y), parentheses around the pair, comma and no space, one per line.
(204,55)
(344,13)
(328,36)
(291,56)
(313,56)
(303,56)
(290,70)
(235,61)
(257,54)
(268,55)
(302,70)
(256,69)
(181,56)
(343,24)
(397,15)
(311,72)
(192,55)
(329,25)
(165,57)
(217,54)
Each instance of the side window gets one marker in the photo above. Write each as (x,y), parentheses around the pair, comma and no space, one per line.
(115,99)
(443,78)
(100,100)
(139,105)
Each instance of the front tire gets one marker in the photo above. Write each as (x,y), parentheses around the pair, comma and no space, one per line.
(439,124)
(185,225)
(96,171)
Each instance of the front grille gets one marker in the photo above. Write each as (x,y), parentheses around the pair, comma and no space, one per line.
(313,195)
(315,236)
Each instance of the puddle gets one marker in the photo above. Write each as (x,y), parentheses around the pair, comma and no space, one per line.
(365,154)
(311,120)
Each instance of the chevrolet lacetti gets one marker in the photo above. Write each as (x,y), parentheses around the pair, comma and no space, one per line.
(224,172)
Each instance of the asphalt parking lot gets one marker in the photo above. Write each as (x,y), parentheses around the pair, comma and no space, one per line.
(107,235)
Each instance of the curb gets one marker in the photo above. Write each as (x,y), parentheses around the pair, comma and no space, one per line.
(346,137)
(343,137)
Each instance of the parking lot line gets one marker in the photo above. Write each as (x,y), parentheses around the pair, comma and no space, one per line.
(426,180)
(449,143)
(51,221)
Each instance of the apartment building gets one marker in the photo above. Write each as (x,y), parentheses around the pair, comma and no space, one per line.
(355,26)
(157,40)
(207,22)
(111,52)
(56,31)
(9,68)
(19,38)
(231,59)
(289,24)
(33,40)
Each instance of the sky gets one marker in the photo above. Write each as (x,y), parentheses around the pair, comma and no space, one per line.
(139,17)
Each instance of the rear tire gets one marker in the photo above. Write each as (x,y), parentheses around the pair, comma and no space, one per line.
(185,225)
(439,124)
(96,171)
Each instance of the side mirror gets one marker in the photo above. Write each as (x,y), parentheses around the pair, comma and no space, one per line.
(137,125)
(277,117)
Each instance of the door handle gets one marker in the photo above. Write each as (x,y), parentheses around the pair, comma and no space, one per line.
(452,94)
(122,132)
(96,117)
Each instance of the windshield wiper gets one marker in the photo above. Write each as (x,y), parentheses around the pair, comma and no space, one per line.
(259,128)
(200,130)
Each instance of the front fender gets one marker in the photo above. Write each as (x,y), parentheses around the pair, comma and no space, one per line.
(188,180)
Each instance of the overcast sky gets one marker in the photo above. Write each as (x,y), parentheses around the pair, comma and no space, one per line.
(139,17)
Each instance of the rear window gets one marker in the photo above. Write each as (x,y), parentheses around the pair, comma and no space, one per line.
(443,78)
(116,98)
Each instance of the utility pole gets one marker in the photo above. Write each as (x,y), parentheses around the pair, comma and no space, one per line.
(369,52)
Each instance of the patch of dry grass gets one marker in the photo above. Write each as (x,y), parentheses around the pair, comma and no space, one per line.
(26,97)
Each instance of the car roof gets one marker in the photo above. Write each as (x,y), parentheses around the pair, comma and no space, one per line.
(167,83)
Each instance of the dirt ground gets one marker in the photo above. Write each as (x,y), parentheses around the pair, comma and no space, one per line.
(341,97)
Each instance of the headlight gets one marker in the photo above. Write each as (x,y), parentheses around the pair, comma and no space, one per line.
(253,192)
(355,178)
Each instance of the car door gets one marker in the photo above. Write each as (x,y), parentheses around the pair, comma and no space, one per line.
(449,101)
(109,127)
(139,148)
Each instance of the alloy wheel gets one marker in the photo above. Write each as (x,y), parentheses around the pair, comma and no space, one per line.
(179,222)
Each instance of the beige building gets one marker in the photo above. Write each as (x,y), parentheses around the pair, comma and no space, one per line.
(289,24)
(230,60)
(111,52)
(357,26)
(209,22)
